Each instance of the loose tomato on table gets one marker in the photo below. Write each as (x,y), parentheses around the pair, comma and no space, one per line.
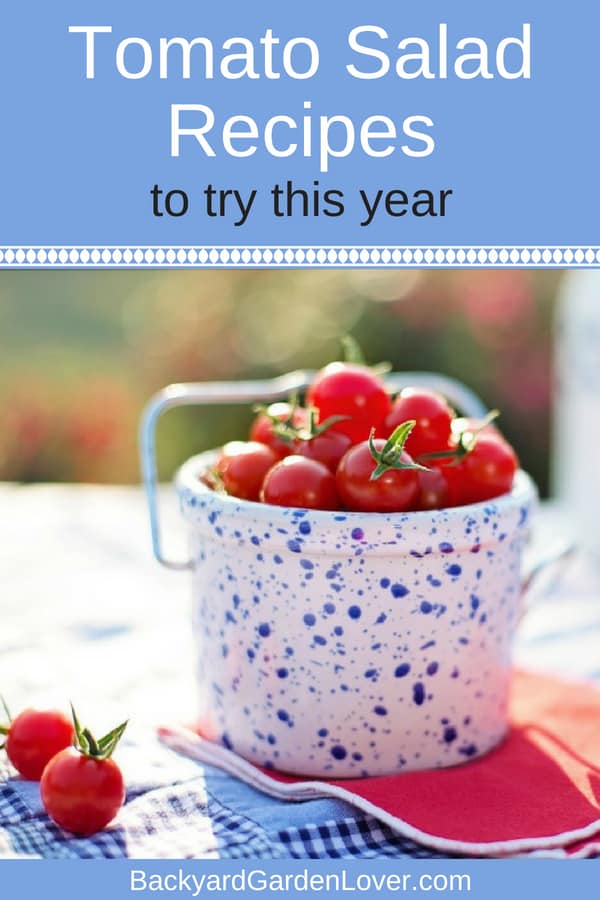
(300,482)
(242,466)
(34,737)
(378,475)
(82,787)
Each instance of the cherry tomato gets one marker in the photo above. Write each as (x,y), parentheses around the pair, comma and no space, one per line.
(34,737)
(301,482)
(396,490)
(261,429)
(242,466)
(441,485)
(488,470)
(432,416)
(434,489)
(80,793)
(327,447)
(349,389)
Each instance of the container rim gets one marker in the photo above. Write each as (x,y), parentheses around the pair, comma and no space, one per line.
(189,485)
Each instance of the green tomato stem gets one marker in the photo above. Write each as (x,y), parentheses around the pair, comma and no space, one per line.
(390,455)
(87,744)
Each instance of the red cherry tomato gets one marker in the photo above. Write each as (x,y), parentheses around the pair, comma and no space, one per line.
(349,389)
(432,416)
(488,470)
(301,482)
(396,490)
(261,429)
(82,794)
(434,489)
(327,448)
(242,467)
(34,737)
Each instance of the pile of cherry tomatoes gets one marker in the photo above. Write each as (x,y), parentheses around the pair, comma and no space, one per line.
(354,446)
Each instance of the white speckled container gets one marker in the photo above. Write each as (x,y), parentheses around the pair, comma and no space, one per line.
(340,644)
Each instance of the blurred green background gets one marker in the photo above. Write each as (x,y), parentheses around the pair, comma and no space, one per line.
(81,352)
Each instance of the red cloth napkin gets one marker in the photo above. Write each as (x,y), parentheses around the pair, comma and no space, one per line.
(538,791)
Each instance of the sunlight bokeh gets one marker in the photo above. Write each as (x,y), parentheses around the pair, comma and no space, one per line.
(81,352)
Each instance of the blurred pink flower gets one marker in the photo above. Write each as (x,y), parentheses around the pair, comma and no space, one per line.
(499,306)
(27,419)
(97,416)
(526,381)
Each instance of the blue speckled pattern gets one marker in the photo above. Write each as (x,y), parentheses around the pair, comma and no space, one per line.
(354,644)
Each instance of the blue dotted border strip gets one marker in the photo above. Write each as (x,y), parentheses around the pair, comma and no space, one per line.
(32,257)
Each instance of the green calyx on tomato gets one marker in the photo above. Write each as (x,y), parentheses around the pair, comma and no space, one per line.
(292,427)
(319,441)
(282,425)
(390,455)
(290,432)
(465,442)
(100,749)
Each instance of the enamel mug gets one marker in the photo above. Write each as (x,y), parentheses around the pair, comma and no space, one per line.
(344,644)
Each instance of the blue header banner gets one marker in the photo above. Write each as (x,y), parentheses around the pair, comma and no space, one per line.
(131,128)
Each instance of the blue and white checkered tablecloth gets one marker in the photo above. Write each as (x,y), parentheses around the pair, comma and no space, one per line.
(86,615)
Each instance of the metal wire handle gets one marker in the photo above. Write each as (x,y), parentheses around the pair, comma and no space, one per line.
(214,393)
